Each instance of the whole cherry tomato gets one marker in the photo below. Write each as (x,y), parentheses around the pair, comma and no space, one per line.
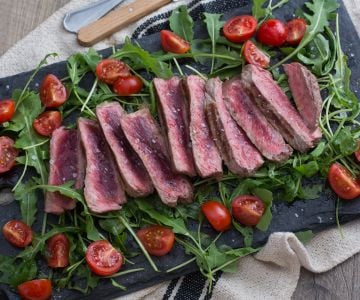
(157,240)
(217,214)
(52,92)
(272,32)
(171,42)
(240,28)
(343,183)
(247,209)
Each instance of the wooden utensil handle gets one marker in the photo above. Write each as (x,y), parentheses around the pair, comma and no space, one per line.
(117,19)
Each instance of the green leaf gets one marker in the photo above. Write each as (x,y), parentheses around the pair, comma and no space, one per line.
(258,10)
(305,236)
(267,197)
(181,23)
(310,192)
(91,231)
(345,142)
(25,271)
(318,150)
(246,232)
(308,169)
(28,201)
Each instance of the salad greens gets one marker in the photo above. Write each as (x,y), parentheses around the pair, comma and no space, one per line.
(320,50)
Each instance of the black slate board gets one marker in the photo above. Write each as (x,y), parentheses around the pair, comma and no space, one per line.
(301,215)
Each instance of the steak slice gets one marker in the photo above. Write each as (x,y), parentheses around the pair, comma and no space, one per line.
(240,156)
(277,108)
(145,137)
(66,164)
(173,112)
(306,92)
(208,162)
(137,182)
(248,116)
(103,187)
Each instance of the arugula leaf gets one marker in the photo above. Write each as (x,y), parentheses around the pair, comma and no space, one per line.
(28,201)
(267,197)
(322,11)
(308,169)
(181,23)
(258,10)
(310,192)
(345,142)
(305,236)
(246,232)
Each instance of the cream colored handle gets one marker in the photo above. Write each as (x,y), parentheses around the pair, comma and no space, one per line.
(116,20)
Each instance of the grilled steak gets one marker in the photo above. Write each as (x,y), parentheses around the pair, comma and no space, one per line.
(277,108)
(66,164)
(306,92)
(136,180)
(248,116)
(206,155)
(240,156)
(103,187)
(173,114)
(145,137)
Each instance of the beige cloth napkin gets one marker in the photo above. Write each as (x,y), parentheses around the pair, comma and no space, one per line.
(273,272)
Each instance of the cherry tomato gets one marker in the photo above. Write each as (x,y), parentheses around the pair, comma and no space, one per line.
(247,209)
(17,233)
(357,153)
(47,122)
(7,110)
(103,259)
(240,28)
(57,251)
(171,42)
(8,154)
(38,289)
(217,214)
(109,70)
(296,31)
(157,240)
(129,85)
(255,56)
(272,32)
(52,92)
(343,183)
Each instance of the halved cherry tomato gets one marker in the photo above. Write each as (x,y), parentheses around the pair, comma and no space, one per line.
(38,289)
(8,154)
(217,214)
(129,85)
(343,183)
(17,233)
(171,42)
(109,70)
(272,32)
(296,31)
(57,251)
(47,122)
(247,209)
(103,259)
(52,92)
(7,110)
(240,28)
(357,153)
(157,240)
(255,56)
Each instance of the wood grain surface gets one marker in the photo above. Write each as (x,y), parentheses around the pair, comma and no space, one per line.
(19,17)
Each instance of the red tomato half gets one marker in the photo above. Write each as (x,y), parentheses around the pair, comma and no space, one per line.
(240,28)
(171,42)
(129,85)
(343,183)
(247,209)
(109,70)
(38,289)
(8,154)
(296,31)
(103,259)
(217,214)
(255,56)
(47,122)
(52,92)
(157,240)
(57,251)
(17,233)
(272,32)
(7,110)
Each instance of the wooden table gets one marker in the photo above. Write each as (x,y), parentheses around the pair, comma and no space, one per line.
(18,17)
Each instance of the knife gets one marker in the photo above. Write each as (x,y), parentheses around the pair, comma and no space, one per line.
(116,20)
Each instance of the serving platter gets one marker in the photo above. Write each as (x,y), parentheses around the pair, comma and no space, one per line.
(315,215)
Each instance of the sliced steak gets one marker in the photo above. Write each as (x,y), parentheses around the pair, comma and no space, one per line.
(207,158)
(248,116)
(240,156)
(277,108)
(136,179)
(306,93)
(173,112)
(145,137)
(66,164)
(103,187)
